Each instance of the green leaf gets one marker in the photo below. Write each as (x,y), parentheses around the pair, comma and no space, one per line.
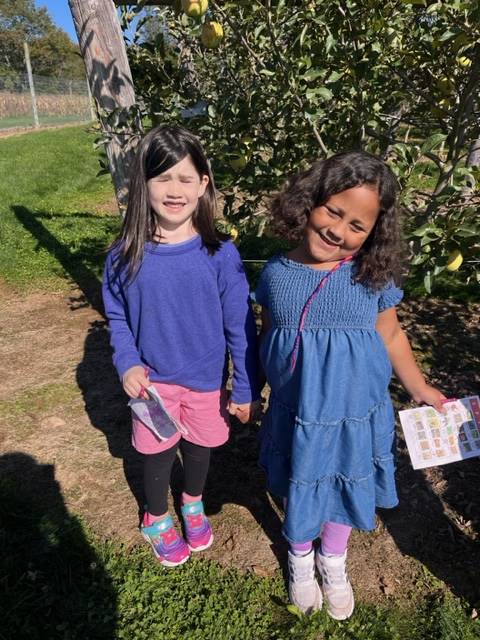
(291,608)
(313,74)
(334,76)
(432,142)
(466,232)
(421,231)
(259,30)
(419,259)
(302,35)
(330,43)
(325,93)
(448,35)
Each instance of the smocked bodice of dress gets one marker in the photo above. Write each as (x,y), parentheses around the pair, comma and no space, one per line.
(342,304)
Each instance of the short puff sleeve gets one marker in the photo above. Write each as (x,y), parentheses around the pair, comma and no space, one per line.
(390,296)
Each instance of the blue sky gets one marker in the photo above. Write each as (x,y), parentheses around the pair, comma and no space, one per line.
(60,13)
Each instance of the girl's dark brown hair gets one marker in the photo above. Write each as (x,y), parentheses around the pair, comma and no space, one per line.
(379,260)
(158,152)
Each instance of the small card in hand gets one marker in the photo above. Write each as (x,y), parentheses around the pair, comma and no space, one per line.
(153,414)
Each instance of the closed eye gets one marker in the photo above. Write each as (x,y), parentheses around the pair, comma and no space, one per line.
(357,228)
(332,212)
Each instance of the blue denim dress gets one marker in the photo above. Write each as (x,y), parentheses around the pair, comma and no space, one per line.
(328,437)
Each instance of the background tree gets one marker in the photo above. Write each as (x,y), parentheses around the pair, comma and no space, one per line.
(291,81)
(51,50)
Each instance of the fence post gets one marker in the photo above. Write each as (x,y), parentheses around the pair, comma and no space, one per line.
(30,82)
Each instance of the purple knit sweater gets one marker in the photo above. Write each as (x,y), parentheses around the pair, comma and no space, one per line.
(180,314)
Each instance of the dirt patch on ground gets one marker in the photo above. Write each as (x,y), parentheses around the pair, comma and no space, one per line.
(61,403)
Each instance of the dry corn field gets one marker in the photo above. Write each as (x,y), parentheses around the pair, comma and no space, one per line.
(20,104)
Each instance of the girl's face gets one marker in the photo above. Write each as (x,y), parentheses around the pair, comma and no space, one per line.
(174,195)
(339,227)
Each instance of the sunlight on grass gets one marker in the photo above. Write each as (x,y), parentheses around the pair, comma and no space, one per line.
(52,224)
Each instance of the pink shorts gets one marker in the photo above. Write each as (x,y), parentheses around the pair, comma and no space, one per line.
(203,414)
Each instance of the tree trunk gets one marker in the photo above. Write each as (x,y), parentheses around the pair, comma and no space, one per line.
(473,160)
(108,72)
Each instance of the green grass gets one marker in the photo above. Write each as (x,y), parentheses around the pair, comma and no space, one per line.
(27,121)
(51,229)
(24,409)
(59,581)
(56,579)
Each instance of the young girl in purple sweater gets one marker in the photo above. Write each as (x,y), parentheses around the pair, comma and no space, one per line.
(176,299)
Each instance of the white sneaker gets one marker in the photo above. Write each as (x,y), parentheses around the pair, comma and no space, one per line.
(336,587)
(303,588)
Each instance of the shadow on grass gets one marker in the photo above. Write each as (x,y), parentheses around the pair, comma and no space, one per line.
(234,475)
(420,526)
(52,583)
(442,533)
(105,401)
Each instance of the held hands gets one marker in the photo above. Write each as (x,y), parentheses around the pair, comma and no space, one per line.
(134,381)
(247,412)
(430,395)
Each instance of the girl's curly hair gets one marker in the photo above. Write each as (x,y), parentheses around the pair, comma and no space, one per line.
(379,260)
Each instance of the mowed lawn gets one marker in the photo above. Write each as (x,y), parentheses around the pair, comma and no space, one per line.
(57,578)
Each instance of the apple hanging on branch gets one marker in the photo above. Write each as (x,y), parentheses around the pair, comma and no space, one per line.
(195,8)
(212,34)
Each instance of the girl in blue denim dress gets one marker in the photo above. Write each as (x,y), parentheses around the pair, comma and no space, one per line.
(330,337)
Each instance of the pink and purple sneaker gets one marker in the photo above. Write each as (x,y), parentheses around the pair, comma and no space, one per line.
(170,548)
(197,527)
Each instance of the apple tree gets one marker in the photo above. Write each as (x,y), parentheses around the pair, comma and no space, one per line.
(272,85)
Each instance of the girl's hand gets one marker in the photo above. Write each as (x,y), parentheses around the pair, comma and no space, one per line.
(247,412)
(134,381)
(430,395)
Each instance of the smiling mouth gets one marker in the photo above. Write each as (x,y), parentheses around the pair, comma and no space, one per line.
(333,245)
(174,206)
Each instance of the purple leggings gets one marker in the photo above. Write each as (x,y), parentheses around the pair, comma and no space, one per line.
(334,540)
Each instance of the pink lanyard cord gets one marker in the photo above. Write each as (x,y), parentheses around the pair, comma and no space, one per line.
(306,309)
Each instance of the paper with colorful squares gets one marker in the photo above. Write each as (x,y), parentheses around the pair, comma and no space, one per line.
(433,438)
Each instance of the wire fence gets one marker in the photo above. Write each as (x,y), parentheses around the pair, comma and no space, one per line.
(54,101)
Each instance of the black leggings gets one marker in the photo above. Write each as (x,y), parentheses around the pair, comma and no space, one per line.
(157,469)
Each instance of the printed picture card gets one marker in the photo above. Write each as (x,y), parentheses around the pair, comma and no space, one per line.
(153,414)
(434,438)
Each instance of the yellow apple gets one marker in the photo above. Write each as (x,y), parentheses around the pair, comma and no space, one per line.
(195,8)
(463,61)
(455,260)
(246,140)
(212,34)
(238,162)
(445,85)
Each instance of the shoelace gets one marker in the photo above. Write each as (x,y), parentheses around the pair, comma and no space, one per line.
(334,575)
(301,574)
(194,521)
(168,537)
